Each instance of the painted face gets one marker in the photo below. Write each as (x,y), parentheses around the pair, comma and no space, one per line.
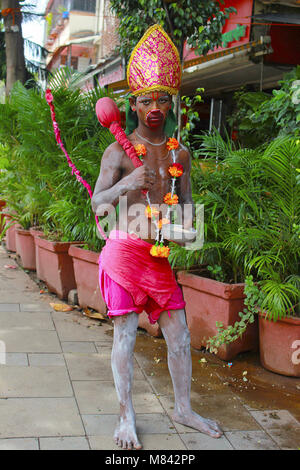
(152,109)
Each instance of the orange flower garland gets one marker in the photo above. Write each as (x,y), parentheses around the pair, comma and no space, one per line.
(175,170)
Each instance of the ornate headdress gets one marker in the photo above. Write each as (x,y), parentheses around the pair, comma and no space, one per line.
(154,64)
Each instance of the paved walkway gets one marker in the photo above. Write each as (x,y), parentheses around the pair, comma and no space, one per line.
(57,392)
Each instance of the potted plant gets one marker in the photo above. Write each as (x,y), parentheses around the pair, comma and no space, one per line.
(217,294)
(39,173)
(269,249)
(251,215)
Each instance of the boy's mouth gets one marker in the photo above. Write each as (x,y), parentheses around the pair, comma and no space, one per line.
(154,118)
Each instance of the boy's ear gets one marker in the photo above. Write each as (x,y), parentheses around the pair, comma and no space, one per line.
(132,102)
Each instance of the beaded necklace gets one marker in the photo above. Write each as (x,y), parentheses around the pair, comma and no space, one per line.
(171,199)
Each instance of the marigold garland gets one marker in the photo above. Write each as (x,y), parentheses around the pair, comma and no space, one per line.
(175,170)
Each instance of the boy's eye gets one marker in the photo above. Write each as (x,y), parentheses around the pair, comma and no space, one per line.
(146,102)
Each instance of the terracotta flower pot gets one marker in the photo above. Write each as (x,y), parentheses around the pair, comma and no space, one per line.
(279,345)
(25,248)
(86,271)
(56,266)
(10,234)
(209,301)
(37,233)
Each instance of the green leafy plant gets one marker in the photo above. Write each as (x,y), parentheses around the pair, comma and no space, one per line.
(251,218)
(192,116)
(196,21)
(37,182)
(259,117)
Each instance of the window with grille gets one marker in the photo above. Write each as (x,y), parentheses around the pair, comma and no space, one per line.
(84,5)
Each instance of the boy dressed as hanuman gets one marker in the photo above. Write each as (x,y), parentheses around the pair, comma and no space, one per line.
(135,274)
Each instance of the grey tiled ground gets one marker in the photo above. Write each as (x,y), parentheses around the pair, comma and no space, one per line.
(57,391)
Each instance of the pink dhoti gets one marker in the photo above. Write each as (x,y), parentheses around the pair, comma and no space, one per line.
(131,280)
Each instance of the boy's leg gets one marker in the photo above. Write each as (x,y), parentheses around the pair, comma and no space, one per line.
(177,337)
(122,366)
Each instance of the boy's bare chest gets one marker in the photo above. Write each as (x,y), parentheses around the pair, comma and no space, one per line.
(162,183)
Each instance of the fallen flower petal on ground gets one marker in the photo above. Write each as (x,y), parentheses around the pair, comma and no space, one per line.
(61,307)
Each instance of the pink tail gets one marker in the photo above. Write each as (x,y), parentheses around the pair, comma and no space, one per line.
(49,98)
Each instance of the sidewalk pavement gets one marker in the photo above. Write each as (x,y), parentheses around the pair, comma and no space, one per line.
(57,391)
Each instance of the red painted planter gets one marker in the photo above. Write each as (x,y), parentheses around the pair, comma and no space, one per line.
(279,345)
(56,266)
(25,248)
(209,301)
(37,233)
(10,234)
(86,271)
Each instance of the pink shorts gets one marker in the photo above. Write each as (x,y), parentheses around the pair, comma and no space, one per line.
(120,302)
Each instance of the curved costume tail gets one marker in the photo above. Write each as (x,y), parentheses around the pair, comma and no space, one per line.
(49,99)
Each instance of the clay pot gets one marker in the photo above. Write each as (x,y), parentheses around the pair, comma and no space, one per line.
(56,266)
(10,234)
(37,233)
(209,301)
(25,248)
(279,345)
(86,271)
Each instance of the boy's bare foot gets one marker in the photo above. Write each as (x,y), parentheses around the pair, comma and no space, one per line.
(195,421)
(125,434)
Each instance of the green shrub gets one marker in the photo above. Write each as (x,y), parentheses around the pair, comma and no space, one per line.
(37,182)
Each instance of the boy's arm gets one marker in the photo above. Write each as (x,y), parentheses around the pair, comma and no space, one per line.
(109,185)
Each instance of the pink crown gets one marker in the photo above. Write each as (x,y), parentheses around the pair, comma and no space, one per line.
(154,64)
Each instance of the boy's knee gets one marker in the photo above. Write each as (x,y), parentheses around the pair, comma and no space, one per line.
(181,342)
